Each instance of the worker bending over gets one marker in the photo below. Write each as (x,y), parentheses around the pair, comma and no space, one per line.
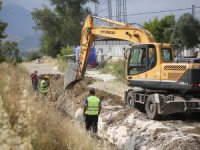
(91,111)
(44,85)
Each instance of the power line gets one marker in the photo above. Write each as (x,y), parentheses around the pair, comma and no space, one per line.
(103,2)
(161,11)
(133,14)
(102,10)
(156,12)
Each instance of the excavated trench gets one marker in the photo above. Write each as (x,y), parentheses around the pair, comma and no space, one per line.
(70,101)
(126,128)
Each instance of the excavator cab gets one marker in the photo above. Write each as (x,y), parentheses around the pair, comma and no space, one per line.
(141,58)
(144,64)
(152,66)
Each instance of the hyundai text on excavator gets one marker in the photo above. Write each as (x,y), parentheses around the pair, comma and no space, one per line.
(167,86)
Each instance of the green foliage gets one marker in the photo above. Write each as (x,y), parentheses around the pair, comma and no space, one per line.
(186,32)
(60,26)
(62,64)
(34,55)
(10,52)
(65,56)
(116,68)
(3,26)
(161,29)
(68,50)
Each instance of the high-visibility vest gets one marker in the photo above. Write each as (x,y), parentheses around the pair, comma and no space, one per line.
(43,87)
(93,105)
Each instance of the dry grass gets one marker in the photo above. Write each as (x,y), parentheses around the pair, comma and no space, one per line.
(55,131)
(46,127)
(11,90)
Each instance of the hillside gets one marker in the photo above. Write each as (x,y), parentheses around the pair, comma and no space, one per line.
(20,26)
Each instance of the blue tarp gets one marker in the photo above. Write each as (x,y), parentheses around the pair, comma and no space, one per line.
(92,57)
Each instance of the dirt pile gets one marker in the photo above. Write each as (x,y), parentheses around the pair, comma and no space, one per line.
(73,98)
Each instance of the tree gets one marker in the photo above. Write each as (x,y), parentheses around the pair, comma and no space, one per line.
(161,29)
(60,26)
(10,52)
(3,26)
(33,56)
(186,32)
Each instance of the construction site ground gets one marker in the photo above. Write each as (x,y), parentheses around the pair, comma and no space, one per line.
(126,128)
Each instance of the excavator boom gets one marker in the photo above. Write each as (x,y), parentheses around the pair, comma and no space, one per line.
(89,31)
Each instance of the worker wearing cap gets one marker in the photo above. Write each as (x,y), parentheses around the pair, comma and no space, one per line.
(44,85)
(92,108)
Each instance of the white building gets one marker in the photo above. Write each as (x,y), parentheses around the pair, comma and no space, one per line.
(114,48)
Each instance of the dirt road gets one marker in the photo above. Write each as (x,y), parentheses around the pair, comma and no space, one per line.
(43,68)
(128,128)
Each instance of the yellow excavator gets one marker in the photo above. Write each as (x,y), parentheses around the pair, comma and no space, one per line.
(168,85)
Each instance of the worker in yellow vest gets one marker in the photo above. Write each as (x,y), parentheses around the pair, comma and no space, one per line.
(92,108)
(43,87)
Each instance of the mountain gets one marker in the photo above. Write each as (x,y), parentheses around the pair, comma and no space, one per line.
(30,42)
(20,26)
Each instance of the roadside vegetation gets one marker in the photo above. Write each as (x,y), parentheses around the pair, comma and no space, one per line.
(184,32)
(29,121)
(9,52)
(66,57)
(114,67)
(33,56)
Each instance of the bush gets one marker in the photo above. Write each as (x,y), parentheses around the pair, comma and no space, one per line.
(9,52)
(62,63)
(67,56)
(115,67)
(33,56)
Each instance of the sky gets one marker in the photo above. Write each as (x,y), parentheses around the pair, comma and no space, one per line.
(133,7)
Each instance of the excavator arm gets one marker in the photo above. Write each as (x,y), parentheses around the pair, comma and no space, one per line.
(122,31)
(89,31)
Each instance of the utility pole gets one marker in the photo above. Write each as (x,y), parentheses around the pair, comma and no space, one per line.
(124,11)
(96,9)
(193,10)
(121,11)
(109,9)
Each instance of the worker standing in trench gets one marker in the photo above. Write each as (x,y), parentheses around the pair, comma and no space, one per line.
(34,79)
(91,111)
(43,87)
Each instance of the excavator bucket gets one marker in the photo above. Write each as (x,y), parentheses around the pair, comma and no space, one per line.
(70,78)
